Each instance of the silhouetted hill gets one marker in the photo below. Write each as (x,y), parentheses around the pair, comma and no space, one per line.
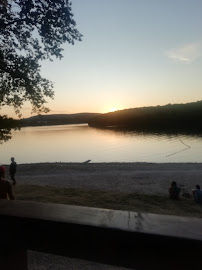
(168,117)
(57,119)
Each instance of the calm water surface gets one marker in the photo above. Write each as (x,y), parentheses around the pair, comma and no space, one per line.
(78,143)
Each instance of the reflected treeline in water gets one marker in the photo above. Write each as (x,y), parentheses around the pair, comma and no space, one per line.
(6,125)
(173,119)
(152,130)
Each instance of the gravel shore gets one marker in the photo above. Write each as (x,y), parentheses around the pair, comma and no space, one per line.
(149,178)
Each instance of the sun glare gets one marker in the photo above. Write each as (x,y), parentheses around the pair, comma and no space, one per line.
(113,110)
(109,108)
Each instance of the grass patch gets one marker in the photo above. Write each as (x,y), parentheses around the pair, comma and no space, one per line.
(110,200)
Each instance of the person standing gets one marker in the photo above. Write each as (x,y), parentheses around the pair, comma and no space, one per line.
(6,191)
(12,169)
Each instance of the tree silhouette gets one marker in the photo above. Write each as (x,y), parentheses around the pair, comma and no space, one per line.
(31,31)
(6,125)
(169,118)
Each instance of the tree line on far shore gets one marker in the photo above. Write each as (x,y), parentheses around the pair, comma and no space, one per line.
(170,117)
(56,119)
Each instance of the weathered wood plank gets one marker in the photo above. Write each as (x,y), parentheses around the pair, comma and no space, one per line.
(122,238)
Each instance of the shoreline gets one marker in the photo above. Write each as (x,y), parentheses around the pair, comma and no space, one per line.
(90,162)
(138,177)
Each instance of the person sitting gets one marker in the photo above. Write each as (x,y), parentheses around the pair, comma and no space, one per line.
(174,191)
(197,193)
(6,191)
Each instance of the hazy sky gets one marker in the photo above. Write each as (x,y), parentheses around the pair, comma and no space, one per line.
(134,53)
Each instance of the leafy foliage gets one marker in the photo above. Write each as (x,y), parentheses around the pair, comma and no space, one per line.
(6,124)
(31,31)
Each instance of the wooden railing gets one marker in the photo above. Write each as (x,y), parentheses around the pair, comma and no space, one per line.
(120,238)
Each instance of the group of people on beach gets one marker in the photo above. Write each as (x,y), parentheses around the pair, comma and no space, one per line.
(174,192)
(6,191)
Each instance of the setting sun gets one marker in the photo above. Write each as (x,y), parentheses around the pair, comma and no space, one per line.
(113,110)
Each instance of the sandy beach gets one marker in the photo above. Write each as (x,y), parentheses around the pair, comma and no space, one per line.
(148,178)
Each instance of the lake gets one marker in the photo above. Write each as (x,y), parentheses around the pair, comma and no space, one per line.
(78,143)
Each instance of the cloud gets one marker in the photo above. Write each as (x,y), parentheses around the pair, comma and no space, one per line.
(186,54)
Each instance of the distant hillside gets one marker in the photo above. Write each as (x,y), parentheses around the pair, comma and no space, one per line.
(169,117)
(57,119)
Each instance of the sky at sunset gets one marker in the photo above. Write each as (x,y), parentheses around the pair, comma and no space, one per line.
(133,53)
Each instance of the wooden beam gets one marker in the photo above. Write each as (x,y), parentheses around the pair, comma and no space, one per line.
(121,238)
